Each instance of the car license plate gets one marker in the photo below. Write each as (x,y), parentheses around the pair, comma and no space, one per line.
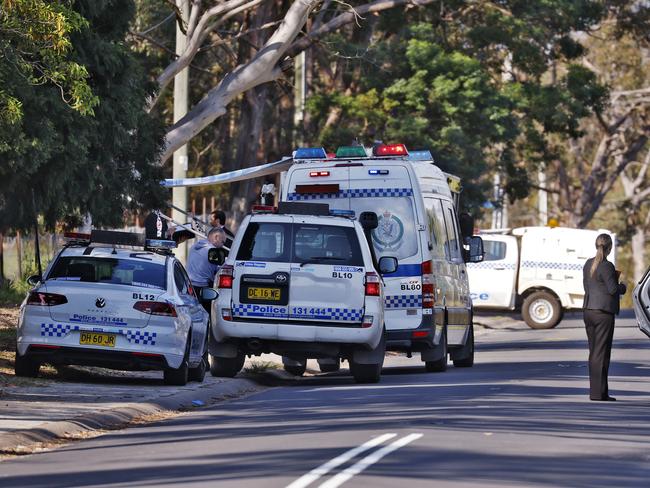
(96,339)
(264,293)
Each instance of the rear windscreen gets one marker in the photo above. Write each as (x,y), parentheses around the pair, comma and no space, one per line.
(109,270)
(300,243)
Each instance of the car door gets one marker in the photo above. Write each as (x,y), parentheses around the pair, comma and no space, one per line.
(492,281)
(193,308)
(327,274)
(260,287)
(641,300)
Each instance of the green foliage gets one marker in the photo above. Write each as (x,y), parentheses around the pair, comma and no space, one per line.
(75,164)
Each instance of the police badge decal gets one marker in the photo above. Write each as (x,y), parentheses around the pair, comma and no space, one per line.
(388,234)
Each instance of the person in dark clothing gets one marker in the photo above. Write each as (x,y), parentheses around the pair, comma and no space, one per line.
(218,219)
(601,303)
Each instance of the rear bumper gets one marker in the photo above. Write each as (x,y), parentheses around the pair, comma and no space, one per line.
(121,360)
(425,336)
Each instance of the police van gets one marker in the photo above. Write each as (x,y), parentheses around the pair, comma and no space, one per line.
(301,282)
(535,269)
(427,296)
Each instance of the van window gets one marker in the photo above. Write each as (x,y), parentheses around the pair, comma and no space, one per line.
(329,243)
(396,235)
(452,234)
(494,250)
(265,241)
(437,228)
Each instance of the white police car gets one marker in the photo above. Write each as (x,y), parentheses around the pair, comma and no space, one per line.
(130,308)
(301,283)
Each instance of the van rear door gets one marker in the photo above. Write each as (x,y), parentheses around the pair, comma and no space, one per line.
(261,284)
(499,266)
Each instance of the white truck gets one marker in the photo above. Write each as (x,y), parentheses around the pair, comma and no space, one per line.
(535,269)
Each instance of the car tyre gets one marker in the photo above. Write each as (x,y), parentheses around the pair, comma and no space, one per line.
(297,369)
(180,375)
(26,367)
(366,373)
(466,359)
(439,365)
(226,367)
(198,372)
(541,310)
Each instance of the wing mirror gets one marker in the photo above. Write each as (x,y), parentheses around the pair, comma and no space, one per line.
(368,220)
(387,265)
(466,222)
(208,294)
(34,280)
(216,255)
(476,252)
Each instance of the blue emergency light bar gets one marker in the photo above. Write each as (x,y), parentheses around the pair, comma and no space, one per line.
(160,244)
(378,171)
(337,212)
(424,155)
(310,153)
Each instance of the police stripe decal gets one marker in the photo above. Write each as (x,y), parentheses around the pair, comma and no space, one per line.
(354,193)
(133,336)
(403,301)
(552,265)
(314,313)
(491,265)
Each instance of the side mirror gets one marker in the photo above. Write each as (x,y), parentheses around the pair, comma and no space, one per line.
(34,280)
(475,249)
(368,220)
(208,294)
(466,222)
(387,265)
(216,255)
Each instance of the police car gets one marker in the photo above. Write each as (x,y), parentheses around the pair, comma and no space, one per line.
(302,282)
(110,299)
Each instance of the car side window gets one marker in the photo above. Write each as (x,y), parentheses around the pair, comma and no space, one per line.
(182,284)
(494,250)
(436,227)
(452,231)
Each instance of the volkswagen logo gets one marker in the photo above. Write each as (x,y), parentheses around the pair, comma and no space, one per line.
(100,302)
(281,278)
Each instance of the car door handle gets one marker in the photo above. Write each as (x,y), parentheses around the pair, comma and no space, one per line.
(499,269)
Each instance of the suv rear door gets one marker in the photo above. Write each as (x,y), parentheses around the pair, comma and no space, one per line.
(641,299)
(262,269)
(327,273)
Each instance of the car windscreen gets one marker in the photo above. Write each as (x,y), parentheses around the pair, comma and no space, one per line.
(116,271)
(300,243)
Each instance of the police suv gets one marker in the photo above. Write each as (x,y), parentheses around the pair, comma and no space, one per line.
(428,304)
(301,281)
(110,299)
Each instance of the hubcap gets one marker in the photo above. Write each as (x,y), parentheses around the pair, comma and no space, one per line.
(541,310)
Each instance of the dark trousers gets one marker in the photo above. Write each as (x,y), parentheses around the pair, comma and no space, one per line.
(600,332)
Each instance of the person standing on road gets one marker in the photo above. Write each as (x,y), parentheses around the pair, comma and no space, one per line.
(201,271)
(601,303)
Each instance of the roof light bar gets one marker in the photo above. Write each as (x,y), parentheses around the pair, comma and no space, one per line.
(424,155)
(117,238)
(390,150)
(351,152)
(378,171)
(264,209)
(310,153)
(338,212)
(315,174)
(160,244)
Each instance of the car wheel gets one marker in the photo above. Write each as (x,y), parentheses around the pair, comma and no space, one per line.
(179,376)
(439,365)
(297,369)
(541,310)
(329,366)
(198,372)
(466,353)
(226,367)
(366,373)
(26,367)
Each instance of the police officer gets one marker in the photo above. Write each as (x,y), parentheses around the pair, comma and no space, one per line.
(200,270)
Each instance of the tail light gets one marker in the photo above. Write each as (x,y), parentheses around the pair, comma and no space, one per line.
(315,174)
(46,299)
(367,321)
(427,285)
(225,275)
(156,308)
(226,314)
(372,285)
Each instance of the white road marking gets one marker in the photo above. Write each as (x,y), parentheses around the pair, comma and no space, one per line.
(323,469)
(368,461)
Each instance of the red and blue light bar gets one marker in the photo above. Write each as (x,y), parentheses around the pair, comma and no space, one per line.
(390,150)
(310,153)
(378,171)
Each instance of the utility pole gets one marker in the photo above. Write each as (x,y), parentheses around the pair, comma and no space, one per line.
(181,86)
(542,197)
(300,89)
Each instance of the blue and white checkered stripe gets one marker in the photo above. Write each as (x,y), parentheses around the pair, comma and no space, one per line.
(491,265)
(254,310)
(354,193)
(403,301)
(552,265)
(271,311)
(333,314)
(133,336)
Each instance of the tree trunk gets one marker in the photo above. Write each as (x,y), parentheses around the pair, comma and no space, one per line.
(638,253)
(2,259)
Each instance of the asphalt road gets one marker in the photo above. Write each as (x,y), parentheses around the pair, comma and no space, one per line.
(519,417)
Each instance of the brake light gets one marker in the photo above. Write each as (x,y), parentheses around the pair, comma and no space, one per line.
(264,209)
(44,346)
(226,314)
(427,285)
(225,276)
(155,308)
(147,354)
(46,299)
(390,150)
(419,334)
(372,285)
(315,174)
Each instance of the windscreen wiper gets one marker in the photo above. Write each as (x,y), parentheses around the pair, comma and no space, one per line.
(318,259)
